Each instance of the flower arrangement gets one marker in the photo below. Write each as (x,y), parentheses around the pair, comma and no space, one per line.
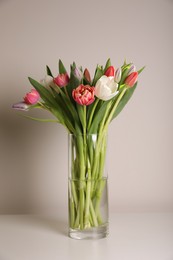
(85,107)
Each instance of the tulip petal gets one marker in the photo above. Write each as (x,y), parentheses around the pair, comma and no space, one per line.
(21,106)
(105,88)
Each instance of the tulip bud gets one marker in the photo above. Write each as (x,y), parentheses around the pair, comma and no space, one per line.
(110,72)
(131,69)
(32,97)
(87,75)
(118,75)
(47,82)
(131,79)
(84,94)
(61,80)
(78,74)
(21,106)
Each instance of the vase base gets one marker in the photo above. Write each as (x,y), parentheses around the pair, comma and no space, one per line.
(90,233)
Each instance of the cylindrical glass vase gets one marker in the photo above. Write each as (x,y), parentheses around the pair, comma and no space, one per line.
(88,186)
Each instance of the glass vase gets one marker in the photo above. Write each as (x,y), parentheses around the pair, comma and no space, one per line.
(88,186)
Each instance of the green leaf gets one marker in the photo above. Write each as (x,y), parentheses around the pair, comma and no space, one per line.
(63,101)
(49,100)
(74,65)
(49,73)
(124,100)
(108,64)
(126,66)
(73,83)
(70,106)
(98,117)
(40,119)
(124,74)
(98,74)
(80,110)
(89,109)
(125,62)
(44,93)
(140,70)
(62,69)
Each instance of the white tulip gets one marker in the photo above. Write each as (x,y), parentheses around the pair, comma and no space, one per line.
(47,82)
(106,88)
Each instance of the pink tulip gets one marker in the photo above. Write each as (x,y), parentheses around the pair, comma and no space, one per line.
(32,97)
(110,72)
(84,94)
(131,79)
(61,80)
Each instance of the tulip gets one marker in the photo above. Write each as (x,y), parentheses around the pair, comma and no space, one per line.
(110,72)
(106,88)
(61,80)
(47,82)
(131,79)
(84,94)
(78,74)
(21,106)
(87,75)
(32,97)
(118,75)
(131,69)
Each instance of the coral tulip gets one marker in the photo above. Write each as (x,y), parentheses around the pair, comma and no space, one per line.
(84,94)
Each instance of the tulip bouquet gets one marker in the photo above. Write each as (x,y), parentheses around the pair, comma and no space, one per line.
(85,107)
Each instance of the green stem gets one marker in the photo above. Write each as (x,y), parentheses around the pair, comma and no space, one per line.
(104,119)
(88,195)
(99,193)
(81,165)
(72,213)
(114,108)
(94,218)
(81,207)
(84,133)
(92,113)
(65,89)
(74,195)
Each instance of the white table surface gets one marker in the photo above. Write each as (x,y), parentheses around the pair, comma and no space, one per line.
(140,236)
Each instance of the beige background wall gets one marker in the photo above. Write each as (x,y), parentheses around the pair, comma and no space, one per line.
(33,156)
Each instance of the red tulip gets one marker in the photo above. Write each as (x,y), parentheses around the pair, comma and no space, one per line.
(110,72)
(32,97)
(131,79)
(84,94)
(61,80)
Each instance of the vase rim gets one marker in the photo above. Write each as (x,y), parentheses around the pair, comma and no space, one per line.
(96,134)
